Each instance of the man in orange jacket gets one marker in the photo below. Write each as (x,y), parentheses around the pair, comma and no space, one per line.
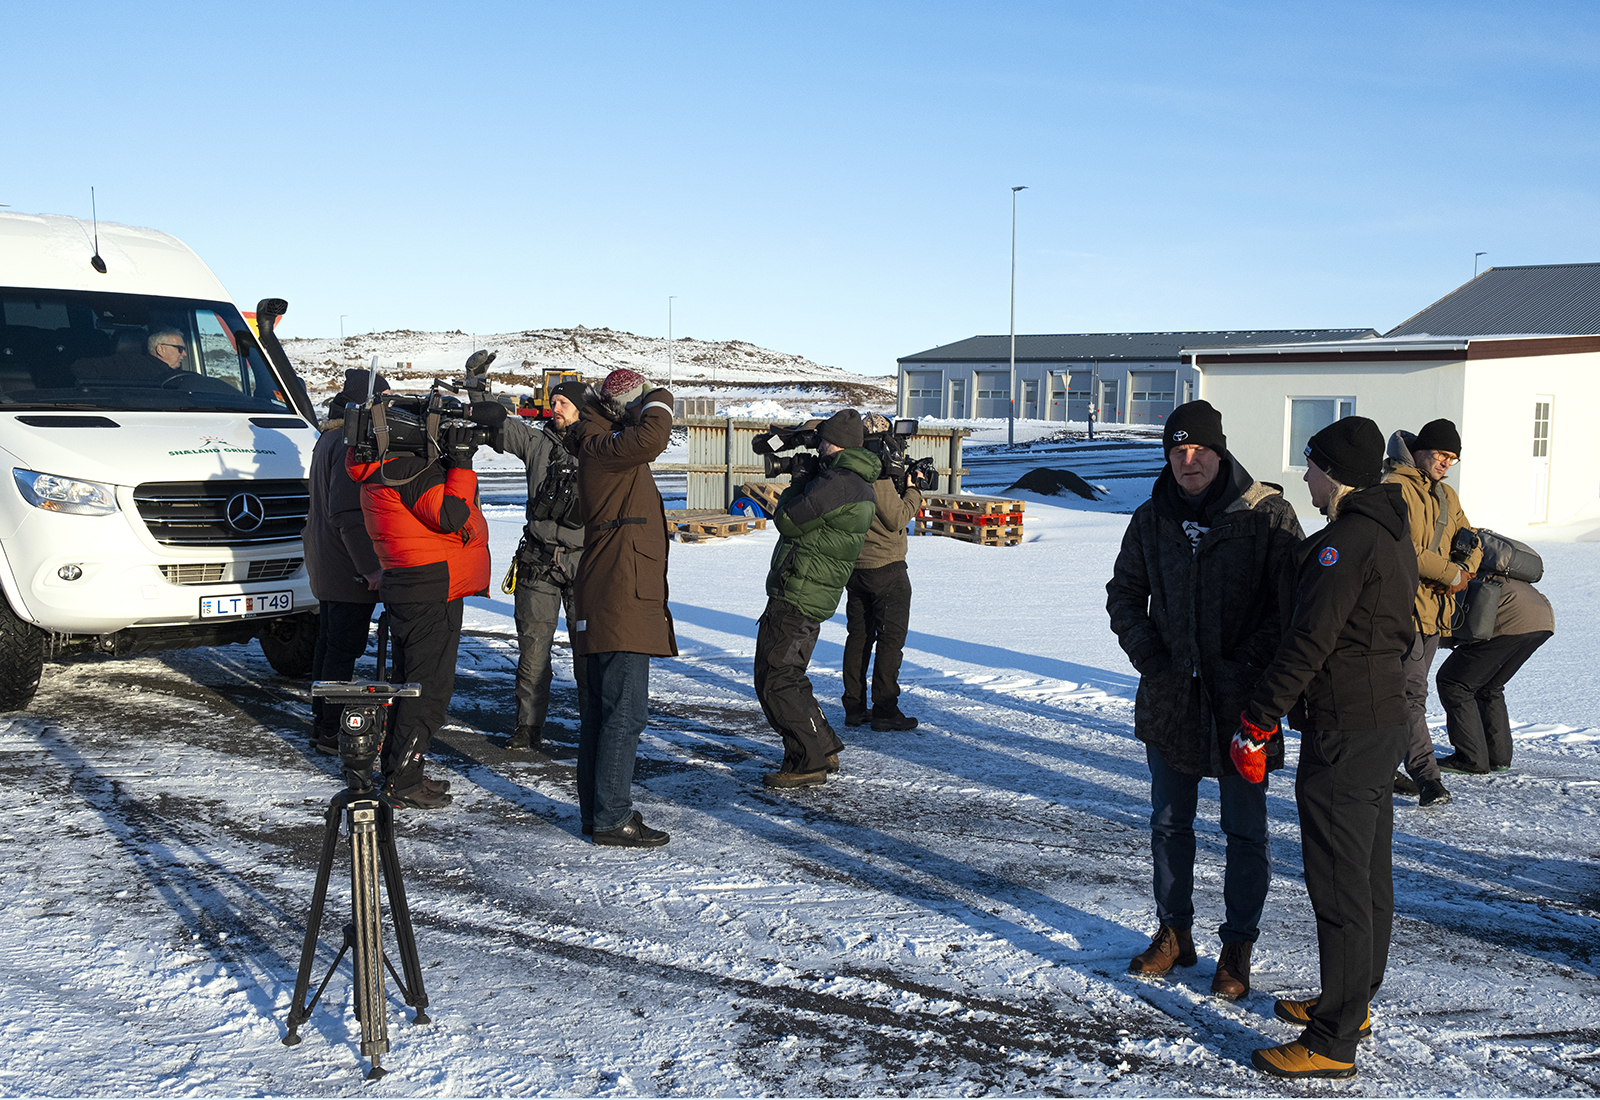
(433,544)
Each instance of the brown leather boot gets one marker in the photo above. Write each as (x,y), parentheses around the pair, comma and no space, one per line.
(1233,972)
(1293,1060)
(1168,948)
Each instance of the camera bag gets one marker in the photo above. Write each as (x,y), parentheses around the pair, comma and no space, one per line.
(1476,611)
(1509,558)
(557,497)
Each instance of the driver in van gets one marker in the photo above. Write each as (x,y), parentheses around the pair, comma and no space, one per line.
(167,345)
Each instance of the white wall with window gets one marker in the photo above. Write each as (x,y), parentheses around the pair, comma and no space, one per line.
(1306,417)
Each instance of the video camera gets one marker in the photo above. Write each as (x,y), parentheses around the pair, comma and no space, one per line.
(434,425)
(1462,546)
(800,467)
(890,447)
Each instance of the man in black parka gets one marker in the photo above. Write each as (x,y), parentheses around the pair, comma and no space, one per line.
(1339,676)
(1194,602)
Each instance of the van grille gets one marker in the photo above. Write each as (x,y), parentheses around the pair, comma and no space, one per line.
(216,572)
(197,513)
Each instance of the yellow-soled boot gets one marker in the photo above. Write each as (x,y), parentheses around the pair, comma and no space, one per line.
(1299,1012)
(1293,1060)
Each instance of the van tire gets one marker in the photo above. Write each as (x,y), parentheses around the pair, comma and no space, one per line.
(290,643)
(21,659)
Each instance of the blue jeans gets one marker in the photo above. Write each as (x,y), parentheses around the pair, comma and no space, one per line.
(1248,870)
(618,707)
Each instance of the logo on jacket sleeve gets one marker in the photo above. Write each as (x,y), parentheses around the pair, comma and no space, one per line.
(1328,556)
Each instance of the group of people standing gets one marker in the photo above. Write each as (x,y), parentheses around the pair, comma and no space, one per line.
(1235,623)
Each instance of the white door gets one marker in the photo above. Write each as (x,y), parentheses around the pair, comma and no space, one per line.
(1540,510)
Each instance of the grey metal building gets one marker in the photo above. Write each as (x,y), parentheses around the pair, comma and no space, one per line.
(1126,377)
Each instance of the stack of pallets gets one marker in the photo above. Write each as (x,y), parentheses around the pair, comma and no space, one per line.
(687,526)
(764,493)
(987,521)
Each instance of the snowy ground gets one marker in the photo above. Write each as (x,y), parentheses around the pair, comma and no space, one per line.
(951,915)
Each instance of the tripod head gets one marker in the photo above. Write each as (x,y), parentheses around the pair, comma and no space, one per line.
(361,726)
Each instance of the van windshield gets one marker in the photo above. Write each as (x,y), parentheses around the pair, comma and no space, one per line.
(80,349)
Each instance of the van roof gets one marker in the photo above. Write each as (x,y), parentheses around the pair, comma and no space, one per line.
(52,251)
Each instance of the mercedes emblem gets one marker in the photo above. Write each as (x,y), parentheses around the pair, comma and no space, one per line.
(246,512)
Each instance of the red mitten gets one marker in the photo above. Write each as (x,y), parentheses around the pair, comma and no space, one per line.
(1249,749)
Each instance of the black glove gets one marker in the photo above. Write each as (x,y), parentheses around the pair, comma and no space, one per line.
(457,446)
(894,468)
(478,362)
(491,414)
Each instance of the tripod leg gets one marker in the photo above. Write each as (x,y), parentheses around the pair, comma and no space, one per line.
(368,958)
(405,940)
(319,898)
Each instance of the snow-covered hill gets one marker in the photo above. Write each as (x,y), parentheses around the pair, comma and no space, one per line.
(731,371)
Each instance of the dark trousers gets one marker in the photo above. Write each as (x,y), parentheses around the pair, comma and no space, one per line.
(877,611)
(1472,686)
(785,639)
(1345,792)
(1174,796)
(341,640)
(538,605)
(423,637)
(1420,762)
(618,685)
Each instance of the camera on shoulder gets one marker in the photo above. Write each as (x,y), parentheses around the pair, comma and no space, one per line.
(435,426)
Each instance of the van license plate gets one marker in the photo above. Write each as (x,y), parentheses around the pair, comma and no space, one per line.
(242,607)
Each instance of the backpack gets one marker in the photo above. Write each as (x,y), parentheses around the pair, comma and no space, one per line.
(557,497)
(1509,558)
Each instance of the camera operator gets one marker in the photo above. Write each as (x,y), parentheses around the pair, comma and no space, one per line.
(877,602)
(822,521)
(433,542)
(547,558)
(340,561)
(620,597)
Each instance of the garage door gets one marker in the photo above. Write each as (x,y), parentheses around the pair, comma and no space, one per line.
(1151,396)
(923,393)
(993,394)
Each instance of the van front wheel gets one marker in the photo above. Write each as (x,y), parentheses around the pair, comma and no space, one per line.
(290,643)
(21,659)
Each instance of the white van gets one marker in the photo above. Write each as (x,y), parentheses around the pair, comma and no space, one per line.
(155,456)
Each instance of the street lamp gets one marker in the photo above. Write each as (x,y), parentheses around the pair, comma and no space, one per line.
(342,316)
(669,339)
(1011,422)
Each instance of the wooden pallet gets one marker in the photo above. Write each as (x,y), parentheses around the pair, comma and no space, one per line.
(701,526)
(974,503)
(764,493)
(976,519)
(974,533)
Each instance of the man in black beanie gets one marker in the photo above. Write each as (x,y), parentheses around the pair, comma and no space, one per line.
(1337,677)
(1193,600)
(1418,464)
(822,523)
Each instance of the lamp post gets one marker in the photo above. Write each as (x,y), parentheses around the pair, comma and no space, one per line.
(1475,256)
(1011,405)
(669,339)
(342,316)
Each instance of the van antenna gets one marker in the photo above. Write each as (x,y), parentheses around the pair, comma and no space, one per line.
(95,261)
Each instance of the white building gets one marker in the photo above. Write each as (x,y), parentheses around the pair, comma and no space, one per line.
(1125,377)
(1469,358)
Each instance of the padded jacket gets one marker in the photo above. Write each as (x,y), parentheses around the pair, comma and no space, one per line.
(822,526)
(338,549)
(1426,501)
(1201,622)
(430,536)
(1349,591)
(543,447)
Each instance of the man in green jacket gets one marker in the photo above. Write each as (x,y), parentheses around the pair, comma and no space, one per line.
(822,523)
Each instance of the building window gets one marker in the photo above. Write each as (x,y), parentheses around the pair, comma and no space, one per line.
(1541,429)
(1307,417)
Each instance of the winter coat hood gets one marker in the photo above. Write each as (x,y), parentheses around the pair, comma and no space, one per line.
(1384,504)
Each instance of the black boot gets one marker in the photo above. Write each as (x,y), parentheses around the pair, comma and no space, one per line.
(889,718)
(526,739)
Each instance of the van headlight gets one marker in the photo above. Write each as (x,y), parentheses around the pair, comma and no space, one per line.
(65,494)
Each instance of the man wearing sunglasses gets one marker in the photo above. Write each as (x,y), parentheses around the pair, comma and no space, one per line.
(169,346)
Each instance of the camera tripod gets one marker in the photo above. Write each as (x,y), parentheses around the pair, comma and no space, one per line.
(370,819)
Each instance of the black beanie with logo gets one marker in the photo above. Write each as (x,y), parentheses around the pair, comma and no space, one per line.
(1350,451)
(1194,423)
(1438,435)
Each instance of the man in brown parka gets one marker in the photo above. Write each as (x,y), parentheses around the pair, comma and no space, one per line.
(1418,464)
(620,597)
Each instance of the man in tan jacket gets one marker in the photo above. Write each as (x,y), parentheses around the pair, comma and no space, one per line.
(878,602)
(1418,464)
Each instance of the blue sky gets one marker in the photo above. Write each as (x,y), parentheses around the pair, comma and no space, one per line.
(826,179)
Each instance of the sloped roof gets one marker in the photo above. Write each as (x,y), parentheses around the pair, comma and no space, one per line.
(1114,346)
(1547,299)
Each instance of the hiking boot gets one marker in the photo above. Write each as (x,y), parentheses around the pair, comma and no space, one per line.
(325,733)
(787,779)
(1299,1012)
(1168,948)
(1293,1060)
(526,739)
(418,796)
(855,714)
(1453,763)
(1433,793)
(440,785)
(634,834)
(1232,980)
(1404,786)
(889,718)
(833,763)
(1499,767)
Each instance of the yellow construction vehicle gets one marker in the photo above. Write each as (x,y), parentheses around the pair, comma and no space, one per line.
(536,405)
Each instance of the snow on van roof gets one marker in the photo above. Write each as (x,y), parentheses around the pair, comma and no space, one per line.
(53,251)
